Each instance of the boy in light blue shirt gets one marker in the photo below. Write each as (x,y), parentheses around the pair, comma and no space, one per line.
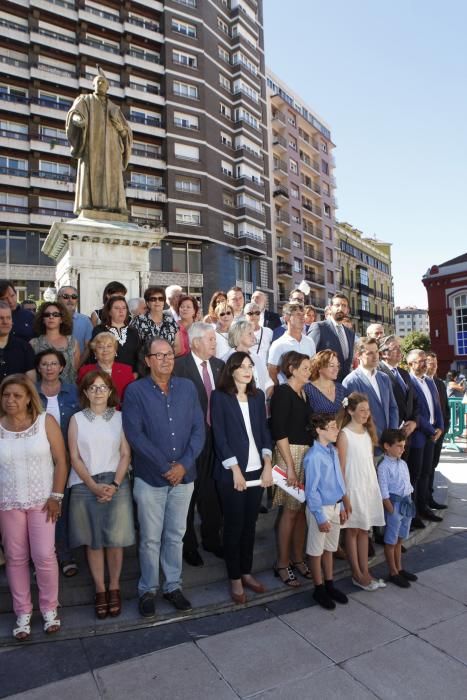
(325,511)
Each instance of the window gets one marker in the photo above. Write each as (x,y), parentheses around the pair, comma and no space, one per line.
(326,189)
(325,167)
(329,255)
(224,82)
(103,44)
(186,152)
(187,217)
(247,230)
(147,150)
(188,184)
(226,139)
(13,202)
(297,265)
(293,165)
(225,111)
(146,182)
(244,200)
(460,319)
(186,121)
(61,171)
(223,26)
(242,114)
(184,59)
(294,192)
(49,99)
(293,143)
(241,58)
(228,228)
(324,146)
(146,213)
(223,54)
(226,168)
(184,28)
(328,232)
(228,200)
(291,119)
(185,90)
(330,277)
(14,130)
(250,146)
(13,166)
(327,210)
(50,203)
(13,92)
(140,116)
(295,216)
(242,86)
(297,240)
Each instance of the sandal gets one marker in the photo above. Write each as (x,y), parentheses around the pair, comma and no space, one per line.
(302,568)
(51,622)
(69,568)
(22,631)
(115,603)
(101,605)
(291,579)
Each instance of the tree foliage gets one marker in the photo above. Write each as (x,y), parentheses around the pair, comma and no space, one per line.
(415,340)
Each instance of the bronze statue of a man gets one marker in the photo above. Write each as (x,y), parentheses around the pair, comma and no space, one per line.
(101,140)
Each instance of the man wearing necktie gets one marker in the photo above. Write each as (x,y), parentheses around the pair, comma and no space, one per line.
(404,393)
(203,368)
(331,334)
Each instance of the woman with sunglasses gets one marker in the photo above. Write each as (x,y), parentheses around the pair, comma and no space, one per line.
(101,509)
(224,314)
(154,322)
(217,298)
(263,335)
(53,327)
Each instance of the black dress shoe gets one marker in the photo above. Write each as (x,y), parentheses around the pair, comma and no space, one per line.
(436,506)
(193,557)
(429,515)
(178,600)
(147,605)
(218,550)
(417,524)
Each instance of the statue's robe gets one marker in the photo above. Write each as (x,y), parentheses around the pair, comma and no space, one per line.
(103,148)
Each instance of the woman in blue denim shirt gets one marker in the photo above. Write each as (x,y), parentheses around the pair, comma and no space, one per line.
(60,400)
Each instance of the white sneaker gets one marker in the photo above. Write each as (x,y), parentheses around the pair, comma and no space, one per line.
(372,586)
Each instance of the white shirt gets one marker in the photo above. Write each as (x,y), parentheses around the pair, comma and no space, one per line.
(286,343)
(429,398)
(98,444)
(198,362)
(371,374)
(53,408)
(264,339)
(222,344)
(254,460)
(261,318)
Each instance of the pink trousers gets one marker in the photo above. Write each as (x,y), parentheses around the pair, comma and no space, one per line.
(27,535)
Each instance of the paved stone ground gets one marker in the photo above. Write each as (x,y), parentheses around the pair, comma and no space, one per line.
(392,643)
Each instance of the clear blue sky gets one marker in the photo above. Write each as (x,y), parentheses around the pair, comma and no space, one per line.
(389,77)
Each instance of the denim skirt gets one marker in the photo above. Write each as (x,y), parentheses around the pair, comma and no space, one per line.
(99,525)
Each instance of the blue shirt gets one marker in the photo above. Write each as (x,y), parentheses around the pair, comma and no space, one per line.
(324,482)
(393,477)
(23,321)
(82,330)
(163,428)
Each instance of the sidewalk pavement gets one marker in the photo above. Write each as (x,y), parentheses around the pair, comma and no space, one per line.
(391,643)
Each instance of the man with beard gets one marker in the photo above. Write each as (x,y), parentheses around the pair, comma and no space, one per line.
(331,334)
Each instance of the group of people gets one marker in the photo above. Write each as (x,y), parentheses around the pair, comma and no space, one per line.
(131,421)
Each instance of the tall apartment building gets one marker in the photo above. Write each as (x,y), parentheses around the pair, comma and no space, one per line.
(366,278)
(189,76)
(302,188)
(409,319)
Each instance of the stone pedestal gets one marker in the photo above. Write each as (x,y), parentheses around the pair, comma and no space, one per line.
(90,252)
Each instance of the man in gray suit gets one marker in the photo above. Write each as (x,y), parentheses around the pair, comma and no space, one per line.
(204,369)
(367,379)
(331,334)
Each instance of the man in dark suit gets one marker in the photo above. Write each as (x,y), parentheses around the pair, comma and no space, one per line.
(204,369)
(429,430)
(391,354)
(268,319)
(331,334)
(431,370)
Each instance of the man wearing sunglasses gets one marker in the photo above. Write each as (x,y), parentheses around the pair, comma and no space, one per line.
(82,326)
(23,320)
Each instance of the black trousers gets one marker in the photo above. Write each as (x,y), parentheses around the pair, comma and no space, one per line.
(206,500)
(436,457)
(240,513)
(420,468)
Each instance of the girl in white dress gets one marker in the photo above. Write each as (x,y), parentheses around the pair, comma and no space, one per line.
(363,500)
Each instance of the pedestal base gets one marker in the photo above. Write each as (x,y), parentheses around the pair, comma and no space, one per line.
(90,253)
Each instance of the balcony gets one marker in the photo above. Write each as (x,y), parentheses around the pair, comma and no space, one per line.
(144,29)
(103,52)
(279,142)
(65,182)
(278,118)
(14,103)
(314,278)
(50,144)
(150,193)
(309,163)
(146,61)
(16,32)
(310,252)
(254,183)
(280,192)
(15,67)
(313,231)
(364,289)
(100,18)
(45,216)
(280,168)
(283,243)
(312,209)
(64,8)
(319,302)
(245,152)
(149,94)
(282,218)
(12,214)
(147,125)
(251,243)
(54,40)
(284,268)
(14,139)
(16,177)
(56,76)
(48,108)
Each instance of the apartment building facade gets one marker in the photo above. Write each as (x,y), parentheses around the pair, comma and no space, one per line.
(366,278)
(303,199)
(190,78)
(409,319)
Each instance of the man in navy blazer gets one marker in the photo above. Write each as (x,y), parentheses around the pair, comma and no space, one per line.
(268,319)
(326,334)
(429,430)
(203,347)
(367,379)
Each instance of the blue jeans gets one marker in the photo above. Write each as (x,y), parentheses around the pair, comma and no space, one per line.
(162,512)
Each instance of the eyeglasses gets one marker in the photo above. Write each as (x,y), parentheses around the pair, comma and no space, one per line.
(162,355)
(253,313)
(156,299)
(226,313)
(296,308)
(51,314)
(68,296)
(46,365)
(98,389)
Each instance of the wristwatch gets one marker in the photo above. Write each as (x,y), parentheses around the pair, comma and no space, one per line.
(56,496)
(114,483)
